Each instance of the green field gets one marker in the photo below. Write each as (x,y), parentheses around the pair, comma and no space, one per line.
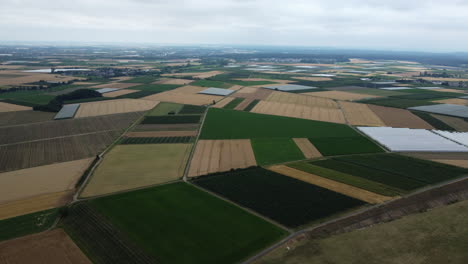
(27,224)
(155,87)
(128,167)
(234,103)
(275,150)
(29,98)
(345,178)
(251,105)
(209,83)
(164,108)
(345,145)
(250,83)
(437,236)
(178,223)
(142,79)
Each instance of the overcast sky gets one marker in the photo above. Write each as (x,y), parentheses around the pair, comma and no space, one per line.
(427,25)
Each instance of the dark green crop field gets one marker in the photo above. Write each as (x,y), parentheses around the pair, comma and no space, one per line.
(275,150)
(251,105)
(345,145)
(209,83)
(192,109)
(286,200)
(171,119)
(233,103)
(177,223)
(27,224)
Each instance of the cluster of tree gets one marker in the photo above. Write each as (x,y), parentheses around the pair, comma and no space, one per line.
(56,104)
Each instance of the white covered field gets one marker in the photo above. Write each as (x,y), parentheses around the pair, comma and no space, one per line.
(415,140)
(460,137)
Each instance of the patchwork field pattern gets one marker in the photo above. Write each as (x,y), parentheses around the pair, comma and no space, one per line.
(165,228)
(52,247)
(457,123)
(221,155)
(341,95)
(259,189)
(185,95)
(309,150)
(128,167)
(394,117)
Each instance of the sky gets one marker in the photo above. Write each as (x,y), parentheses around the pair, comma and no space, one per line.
(420,25)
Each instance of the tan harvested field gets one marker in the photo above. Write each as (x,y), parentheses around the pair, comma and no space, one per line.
(128,167)
(119,93)
(51,247)
(114,107)
(223,102)
(185,95)
(314,79)
(455,101)
(299,99)
(457,123)
(35,77)
(395,117)
(338,187)
(58,177)
(235,87)
(221,155)
(173,81)
(162,134)
(6,107)
(244,104)
(307,148)
(115,85)
(253,93)
(360,114)
(326,114)
(340,95)
(35,204)
(166,127)
(197,75)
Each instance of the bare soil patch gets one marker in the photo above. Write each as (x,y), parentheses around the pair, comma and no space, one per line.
(6,107)
(221,155)
(338,187)
(114,107)
(51,247)
(395,117)
(35,77)
(307,148)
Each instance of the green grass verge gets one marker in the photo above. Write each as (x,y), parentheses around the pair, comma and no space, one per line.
(27,224)
(347,179)
(275,150)
(177,223)
(234,103)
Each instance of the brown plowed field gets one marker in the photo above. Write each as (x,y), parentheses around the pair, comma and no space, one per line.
(307,148)
(298,99)
(360,114)
(173,81)
(253,93)
(223,102)
(43,152)
(51,247)
(24,117)
(119,93)
(21,184)
(340,95)
(197,75)
(63,128)
(221,155)
(114,107)
(455,101)
(115,85)
(300,111)
(166,127)
(185,95)
(395,117)
(244,104)
(338,187)
(6,107)
(35,204)
(162,134)
(457,123)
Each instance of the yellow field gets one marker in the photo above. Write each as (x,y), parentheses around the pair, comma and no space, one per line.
(25,183)
(307,148)
(6,107)
(360,114)
(340,95)
(221,155)
(119,93)
(456,101)
(326,114)
(298,99)
(338,187)
(185,95)
(114,107)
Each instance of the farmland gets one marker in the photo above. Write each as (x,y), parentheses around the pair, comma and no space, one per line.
(185,95)
(24,117)
(295,202)
(171,119)
(165,228)
(113,107)
(128,167)
(165,108)
(27,224)
(53,247)
(155,140)
(275,150)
